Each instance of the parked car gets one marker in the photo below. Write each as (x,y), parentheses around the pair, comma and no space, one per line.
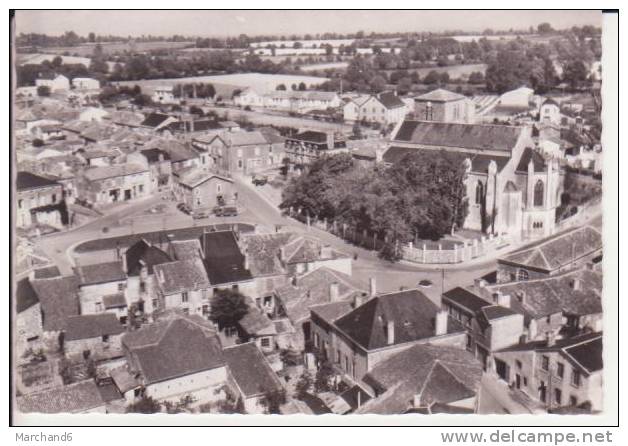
(425,283)
(183,208)
(201,214)
(260,180)
(225,211)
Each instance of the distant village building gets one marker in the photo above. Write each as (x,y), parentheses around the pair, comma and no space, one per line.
(85,83)
(245,152)
(384,108)
(96,336)
(201,190)
(519,98)
(444,106)
(307,146)
(55,82)
(550,112)
(164,94)
(507,178)
(110,184)
(294,101)
(39,201)
(158,162)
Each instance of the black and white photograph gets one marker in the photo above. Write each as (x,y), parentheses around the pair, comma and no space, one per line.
(309,212)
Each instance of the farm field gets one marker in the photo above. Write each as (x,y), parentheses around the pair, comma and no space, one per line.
(115,47)
(258,81)
(325,66)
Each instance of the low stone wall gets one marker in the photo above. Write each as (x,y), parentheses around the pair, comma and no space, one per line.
(460,253)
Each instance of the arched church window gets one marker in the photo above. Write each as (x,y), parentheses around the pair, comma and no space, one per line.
(522,275)
(538,193)
(479,193)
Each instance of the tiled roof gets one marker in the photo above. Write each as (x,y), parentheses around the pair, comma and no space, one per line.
(152,155)
(73,398)
(243,138)
(100,273)
(195,177)
(468,136)
(92,326)
(118,170)
(434,373)
(312,289)
(439,95)
(25,295)
(26,181)
(254,322)
(59,300)
(114,301)
(411,311)
(304,250)
(466,299)
(555,294)
(250,370)
(311,136)
(588,354)
(557,250)
(263,251)
(174,348)
(185,249)
(143,253)
(154,120)
(181,275)
(390,100)
(224,261)
(493,312)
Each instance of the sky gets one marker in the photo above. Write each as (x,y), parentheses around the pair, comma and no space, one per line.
(235,22)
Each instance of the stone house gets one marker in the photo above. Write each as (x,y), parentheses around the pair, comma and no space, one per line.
(39,200)
(111,184)
(201,190)
(98,284)
(96,336)
(444,106)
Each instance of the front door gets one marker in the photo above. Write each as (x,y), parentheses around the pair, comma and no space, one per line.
(127,194)
(502,369)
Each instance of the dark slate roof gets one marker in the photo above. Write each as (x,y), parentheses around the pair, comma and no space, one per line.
(411,311)
(199,126)
(26,180)
(537,159)
(100,273)
(25,294)
(466,299)
(92,326)
(587,353)
(550,101)
(174,348)
(557,250)
(152,155)
(480,163)
(142,251)
(250,370)
(181,275)
(496,312)
(223,260)
(154,119)
(470,136)
(73,398)
(114,301)
(47,272)
(59,300)
(311,136)
(434,373)
(390,100)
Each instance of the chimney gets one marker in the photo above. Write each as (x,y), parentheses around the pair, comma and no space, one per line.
(334,294)
(325,252)
(31,275)
(372,286)
(480,283)
(440,325)
(503,300)
(576,284)
(124,264)
(357,301)
(282,254)
(246,261)
(160,275)
(390,332)
(550,336)
(379,154)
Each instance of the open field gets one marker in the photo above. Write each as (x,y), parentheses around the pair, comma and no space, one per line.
(116,47)
(259,82)
(325,66)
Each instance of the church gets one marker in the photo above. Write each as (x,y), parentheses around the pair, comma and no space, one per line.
(511,187)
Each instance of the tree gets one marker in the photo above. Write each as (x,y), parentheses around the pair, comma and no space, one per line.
(43,91)
(575,74)
(324,375)
(281,87)
(303,385)
(431,78)
(38,142)
(146,405)
(227,308)
(476,77)
(544,28)
(91,37)
(302,86)
(285,167)
(57,61)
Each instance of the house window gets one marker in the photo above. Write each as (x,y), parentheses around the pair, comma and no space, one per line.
(19,204)
(525,381)
(479,193)
(469,343)
(317,340)
(239,164)
(545,362)
(105,338)
(140,188)
(142,287)
(218,187)
(575,378)
(265,342)
(538,193)
(518,364)
(522,275)
(155,303)
(558,396)
(54,198)
(560,370)
(184,297)
(123,320)
(205,310)
(121,287)
(573,400)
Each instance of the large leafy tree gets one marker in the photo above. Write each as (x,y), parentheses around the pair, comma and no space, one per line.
(227,308)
